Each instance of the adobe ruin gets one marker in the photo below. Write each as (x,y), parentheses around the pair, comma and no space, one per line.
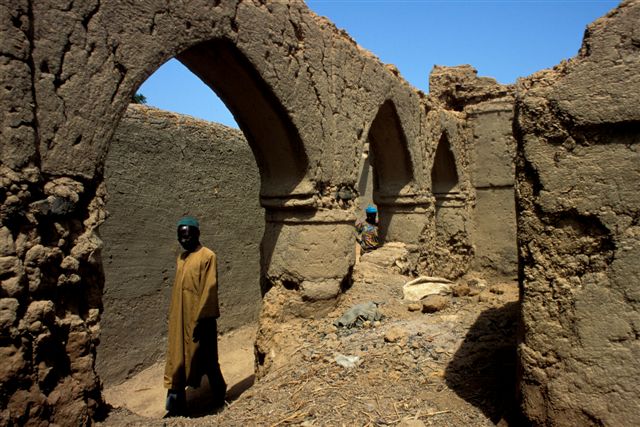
(308,99)
(578,129)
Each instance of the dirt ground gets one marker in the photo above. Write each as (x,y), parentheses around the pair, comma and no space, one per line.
(453,367)
(145,395)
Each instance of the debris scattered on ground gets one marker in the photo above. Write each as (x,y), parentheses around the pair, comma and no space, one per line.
(359,314)
(348,362)
(414,306)
(434,303)
(395,334)
(460,290)
(496,290)
(454,367)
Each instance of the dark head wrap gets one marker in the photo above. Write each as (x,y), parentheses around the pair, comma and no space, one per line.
(190,221)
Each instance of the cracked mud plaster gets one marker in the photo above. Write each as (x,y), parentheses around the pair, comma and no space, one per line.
(577,171)
(18,144)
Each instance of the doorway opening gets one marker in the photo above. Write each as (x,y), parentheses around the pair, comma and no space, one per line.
(386,166)
(444,175)
(164,165)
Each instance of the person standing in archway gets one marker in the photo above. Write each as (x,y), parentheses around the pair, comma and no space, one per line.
(193,339)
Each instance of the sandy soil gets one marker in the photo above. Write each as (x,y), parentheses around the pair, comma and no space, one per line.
(454,367)
(144,394)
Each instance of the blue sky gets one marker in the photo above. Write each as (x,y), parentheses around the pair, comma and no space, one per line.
(503,39)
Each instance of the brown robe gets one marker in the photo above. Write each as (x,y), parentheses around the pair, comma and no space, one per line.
(194,297)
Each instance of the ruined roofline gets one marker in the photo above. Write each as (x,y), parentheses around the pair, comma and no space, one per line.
(140,111)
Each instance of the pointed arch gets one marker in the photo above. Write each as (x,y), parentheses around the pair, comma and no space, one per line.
(390,158)
(444,174)
(273,138)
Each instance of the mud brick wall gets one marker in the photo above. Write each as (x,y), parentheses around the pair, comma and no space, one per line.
(213,177)
(449,251)
(472,178)
(578,169)
(493,176)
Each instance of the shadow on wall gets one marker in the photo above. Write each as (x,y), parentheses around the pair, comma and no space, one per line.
(268,243)
(444,175)
(483,370)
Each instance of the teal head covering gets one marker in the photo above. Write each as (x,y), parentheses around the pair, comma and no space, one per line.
(190,221)
(371,209)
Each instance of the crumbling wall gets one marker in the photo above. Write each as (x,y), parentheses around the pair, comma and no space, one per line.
(488,122)
(305,95)
(472,173)
(578,168)
(213,177)
(50,299)
(449,250)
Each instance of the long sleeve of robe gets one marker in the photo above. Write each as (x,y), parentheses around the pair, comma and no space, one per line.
(194,297)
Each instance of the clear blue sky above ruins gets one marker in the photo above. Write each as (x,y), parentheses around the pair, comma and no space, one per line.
(503,39)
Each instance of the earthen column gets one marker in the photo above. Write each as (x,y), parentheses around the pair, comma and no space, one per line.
(404,217)
(307,254)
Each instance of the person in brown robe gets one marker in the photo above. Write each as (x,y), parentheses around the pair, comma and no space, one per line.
(193,341)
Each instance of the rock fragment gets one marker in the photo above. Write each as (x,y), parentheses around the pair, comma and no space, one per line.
(434,303)
(395,334)
(414,306)
(8,313)
(410,422)
(460,290)
(417,289)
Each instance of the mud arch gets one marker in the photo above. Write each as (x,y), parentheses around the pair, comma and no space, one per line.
(403,204)
(304,94)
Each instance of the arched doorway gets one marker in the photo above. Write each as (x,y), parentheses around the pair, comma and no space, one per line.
(176,166)
(79,76)
(271,135)
(444,175)
(390,169)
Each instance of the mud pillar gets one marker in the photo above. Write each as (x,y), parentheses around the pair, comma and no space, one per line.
(404,218)
(492,175)
(452,249)
(307,255)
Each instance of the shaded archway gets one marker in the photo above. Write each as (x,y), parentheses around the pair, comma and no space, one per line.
(401,207)
(452,247)
(390,158)
(80,67)
(444,175)
(282,164)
